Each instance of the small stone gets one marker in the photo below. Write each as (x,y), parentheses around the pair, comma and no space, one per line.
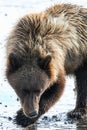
(54,117)
(5,14)
(9,118)
(65,122)
(45,118)
(17,99)
(1,124)
(4,117)
(4,79)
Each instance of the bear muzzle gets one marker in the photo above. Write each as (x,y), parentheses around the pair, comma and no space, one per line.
(31,106)
(33,113)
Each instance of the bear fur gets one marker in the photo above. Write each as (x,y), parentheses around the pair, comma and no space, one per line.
(41,50)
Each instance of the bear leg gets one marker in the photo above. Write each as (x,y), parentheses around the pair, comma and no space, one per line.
(48,99)
(80,110)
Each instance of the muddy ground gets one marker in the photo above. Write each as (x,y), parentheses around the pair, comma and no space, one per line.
(55,118)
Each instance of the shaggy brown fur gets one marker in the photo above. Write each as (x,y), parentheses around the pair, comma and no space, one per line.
(41,50)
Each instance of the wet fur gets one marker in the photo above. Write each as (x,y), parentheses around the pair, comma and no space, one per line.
(61,32)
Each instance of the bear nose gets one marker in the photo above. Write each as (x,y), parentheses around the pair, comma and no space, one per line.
(33,113)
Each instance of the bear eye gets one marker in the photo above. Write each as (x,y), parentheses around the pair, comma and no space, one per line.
(44,62)
(15,62)
(37,91)
(25,92)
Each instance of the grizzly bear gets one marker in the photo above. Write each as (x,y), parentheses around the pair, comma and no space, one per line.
(41,50)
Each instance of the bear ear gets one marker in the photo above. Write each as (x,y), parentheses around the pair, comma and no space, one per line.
(44,62)
(14,62)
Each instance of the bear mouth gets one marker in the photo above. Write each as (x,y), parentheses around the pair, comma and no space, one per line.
(32,114)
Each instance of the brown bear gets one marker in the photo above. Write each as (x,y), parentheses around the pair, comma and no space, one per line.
(41,50)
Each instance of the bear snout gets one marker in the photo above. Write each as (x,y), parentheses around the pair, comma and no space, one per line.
(33,113)
(30,106)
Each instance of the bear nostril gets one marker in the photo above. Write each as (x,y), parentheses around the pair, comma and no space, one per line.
(33,113)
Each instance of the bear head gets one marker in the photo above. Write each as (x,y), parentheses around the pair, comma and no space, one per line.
(30,79)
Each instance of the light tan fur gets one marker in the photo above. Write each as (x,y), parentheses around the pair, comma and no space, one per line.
(60,31)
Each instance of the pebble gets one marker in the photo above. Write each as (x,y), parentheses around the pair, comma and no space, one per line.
(6,106)
(9,118)
(5,14)
(45,118)
(1,124)
(17,99)
(65,122)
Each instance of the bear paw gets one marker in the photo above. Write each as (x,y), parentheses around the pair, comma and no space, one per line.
(22,120)
(78,113)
